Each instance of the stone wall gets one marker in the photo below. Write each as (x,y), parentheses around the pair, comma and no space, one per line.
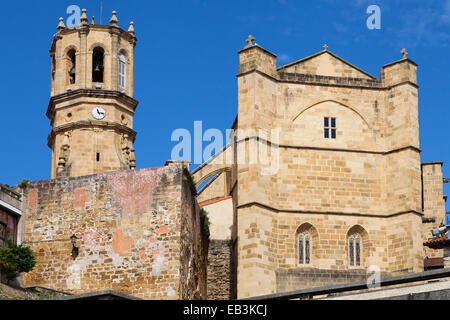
(300,278)
(194,245)
(129,227)
(219,270)
(433,203)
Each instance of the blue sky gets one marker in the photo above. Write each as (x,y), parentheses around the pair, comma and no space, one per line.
(186,64)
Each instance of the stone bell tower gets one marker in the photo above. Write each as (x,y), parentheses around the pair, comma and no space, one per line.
(92,104)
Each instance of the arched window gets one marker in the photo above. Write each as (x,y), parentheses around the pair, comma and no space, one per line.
(72,66)
(304,248)
(97,65)
(354,250)
(122,71)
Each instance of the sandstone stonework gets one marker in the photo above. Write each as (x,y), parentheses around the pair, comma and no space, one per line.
(138,232)
(81,143)
(365,182)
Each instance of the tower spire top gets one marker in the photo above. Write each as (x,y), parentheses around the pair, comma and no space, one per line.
(114,19)
(61,25)
(131,28)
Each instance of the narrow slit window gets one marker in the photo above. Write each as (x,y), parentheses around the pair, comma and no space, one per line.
(357,253)
(98,157)
(351,251)
(300,246)
(330,128)
(307,255)
(122,71)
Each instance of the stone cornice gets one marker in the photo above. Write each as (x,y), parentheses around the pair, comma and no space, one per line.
(89,93)
(90,124)
(399,61)
(329,81)
(255,46)
(270,143)
(358,214)
(432,163)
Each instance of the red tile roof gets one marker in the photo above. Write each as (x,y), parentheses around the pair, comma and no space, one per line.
(438,243)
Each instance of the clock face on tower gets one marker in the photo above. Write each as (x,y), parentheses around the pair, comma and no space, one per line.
(98,113)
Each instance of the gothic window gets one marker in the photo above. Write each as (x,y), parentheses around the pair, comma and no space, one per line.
(122,71)
(97,65)
(72,66)
(354,249)
(330,128)
(304,249)
(3,235)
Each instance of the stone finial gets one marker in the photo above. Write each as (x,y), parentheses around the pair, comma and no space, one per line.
(93,20)
(131,28)
(404,53)
(250,40)
(61,25)
(84,19)
(114,19)
(325,48)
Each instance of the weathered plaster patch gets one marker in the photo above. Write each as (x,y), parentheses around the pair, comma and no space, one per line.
(79,198)
(32,199)
(134,191)
(122,243)
(160,262)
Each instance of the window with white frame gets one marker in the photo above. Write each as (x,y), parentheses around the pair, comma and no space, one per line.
(330,128)
(122,71)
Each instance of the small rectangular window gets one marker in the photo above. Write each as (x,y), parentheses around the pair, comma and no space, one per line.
(330,129)
(98,157)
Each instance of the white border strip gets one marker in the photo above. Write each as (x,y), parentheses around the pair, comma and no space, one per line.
(10,207)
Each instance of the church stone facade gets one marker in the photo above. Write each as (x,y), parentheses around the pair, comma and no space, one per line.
(349,191)
(343,190)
